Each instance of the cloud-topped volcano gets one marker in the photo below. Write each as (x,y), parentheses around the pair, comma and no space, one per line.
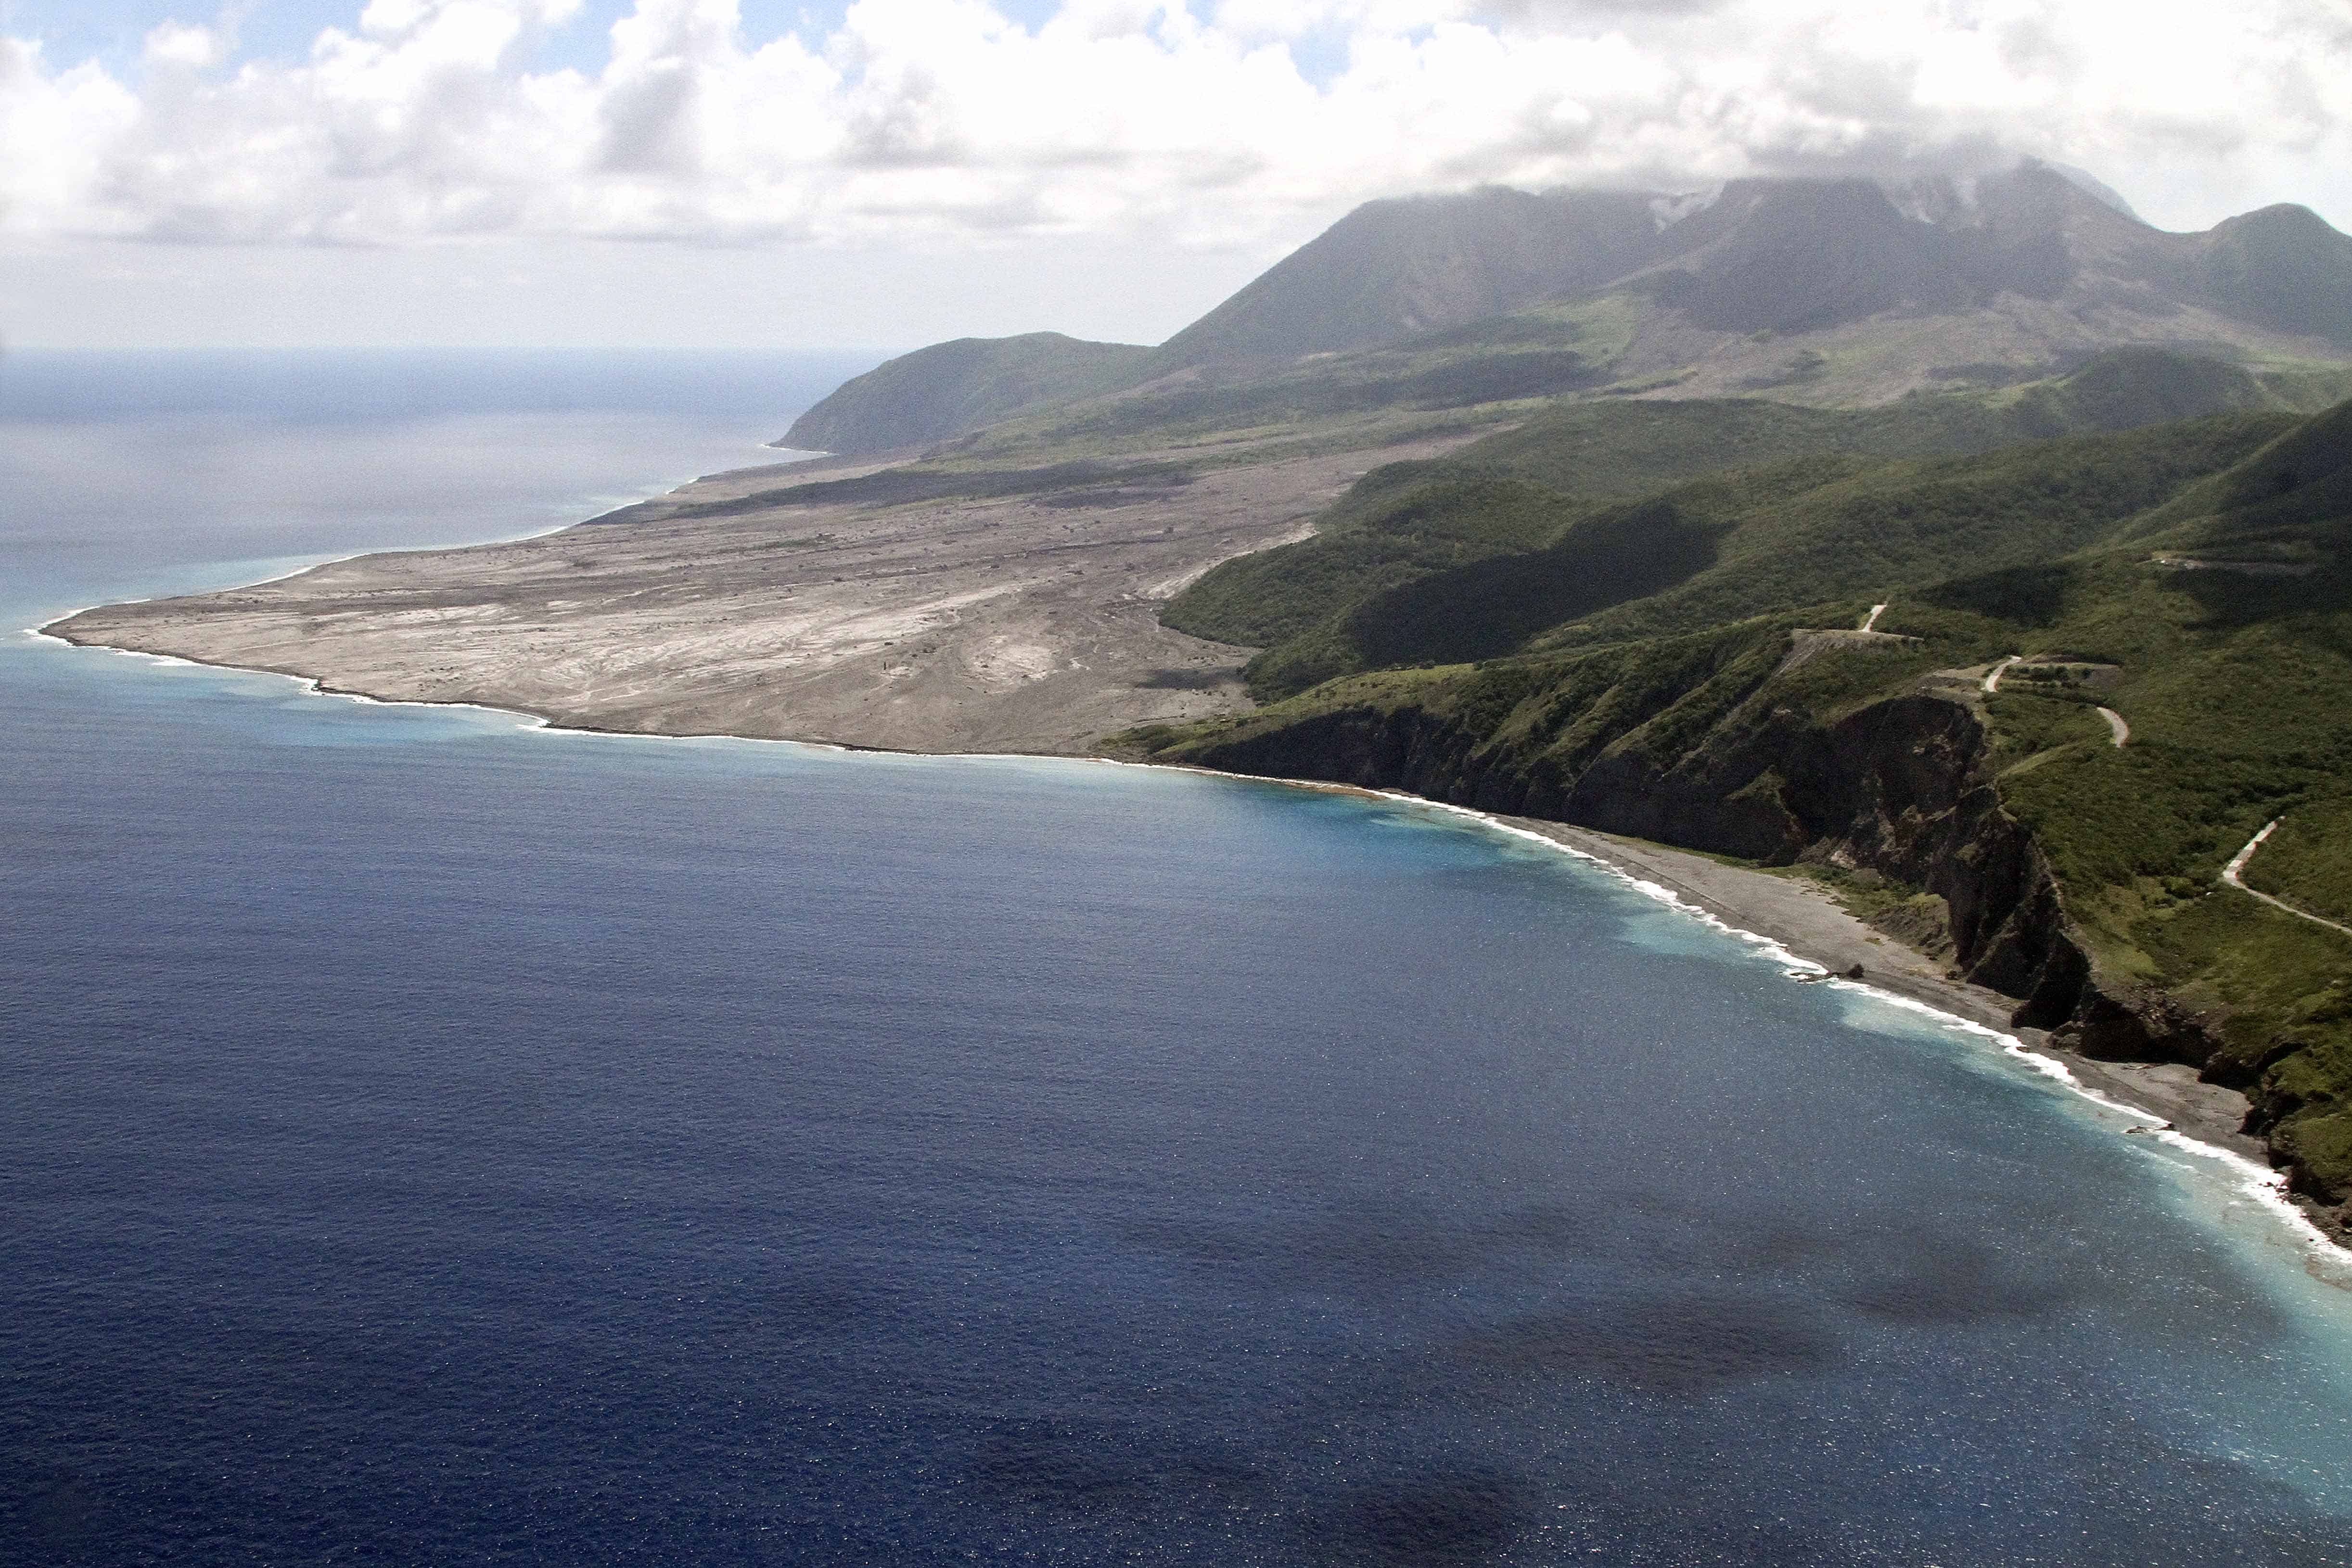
(1818,290)
(1779,256)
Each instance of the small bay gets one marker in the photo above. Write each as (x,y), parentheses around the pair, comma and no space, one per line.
(431,1138)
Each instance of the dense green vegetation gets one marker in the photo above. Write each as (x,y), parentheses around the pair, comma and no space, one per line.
(1915,521)
(1684,701)
(1468,556)
(1393,526)
(2308,861)
(1409,519)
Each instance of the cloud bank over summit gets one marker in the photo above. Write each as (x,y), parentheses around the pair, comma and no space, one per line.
(1235,124)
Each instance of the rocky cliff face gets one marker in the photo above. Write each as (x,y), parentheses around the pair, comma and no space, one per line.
(1901,787)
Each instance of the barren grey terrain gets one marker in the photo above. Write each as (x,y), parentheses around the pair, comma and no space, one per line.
(1024,621)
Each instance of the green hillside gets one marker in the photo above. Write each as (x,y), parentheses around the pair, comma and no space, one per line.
(2308,861)
(1522,361)
(2284,267)
(1798,533)
(2195,579)
(1468,556)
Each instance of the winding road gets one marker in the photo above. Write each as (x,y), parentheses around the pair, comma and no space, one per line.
(2117,729)
(2230,874)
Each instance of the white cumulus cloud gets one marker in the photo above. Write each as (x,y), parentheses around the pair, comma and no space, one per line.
(428,119)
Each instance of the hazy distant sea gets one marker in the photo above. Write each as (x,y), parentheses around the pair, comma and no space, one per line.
(426,1139)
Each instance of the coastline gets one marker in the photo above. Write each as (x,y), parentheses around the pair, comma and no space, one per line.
(1808,921)
(1802,926)
(953,612)
(1796,922)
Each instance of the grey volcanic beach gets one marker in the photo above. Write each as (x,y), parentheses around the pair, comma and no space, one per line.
(1803,917)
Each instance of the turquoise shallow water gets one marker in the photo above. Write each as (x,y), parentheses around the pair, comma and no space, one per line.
(428,1138)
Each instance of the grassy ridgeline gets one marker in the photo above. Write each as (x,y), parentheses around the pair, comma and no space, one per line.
(2195,579)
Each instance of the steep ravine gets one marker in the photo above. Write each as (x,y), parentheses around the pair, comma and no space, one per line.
(1901,787)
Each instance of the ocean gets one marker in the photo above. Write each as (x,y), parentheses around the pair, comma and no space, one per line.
(429,1138)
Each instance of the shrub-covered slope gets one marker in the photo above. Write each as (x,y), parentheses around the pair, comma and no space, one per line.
(1467,557)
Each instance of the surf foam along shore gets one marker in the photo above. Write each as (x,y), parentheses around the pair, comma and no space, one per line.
(2325,1258)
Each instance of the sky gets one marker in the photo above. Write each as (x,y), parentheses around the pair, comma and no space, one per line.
(882,173)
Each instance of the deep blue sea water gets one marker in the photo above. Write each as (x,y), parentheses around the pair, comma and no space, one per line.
(425,1139)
